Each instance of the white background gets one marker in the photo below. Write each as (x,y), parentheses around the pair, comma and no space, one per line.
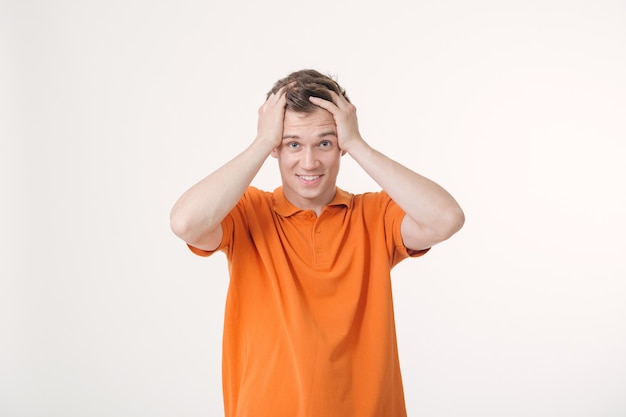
(111,109)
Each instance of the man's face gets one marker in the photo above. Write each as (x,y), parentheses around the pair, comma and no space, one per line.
(308,158)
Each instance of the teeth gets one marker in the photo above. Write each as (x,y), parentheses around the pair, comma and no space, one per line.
(309,177)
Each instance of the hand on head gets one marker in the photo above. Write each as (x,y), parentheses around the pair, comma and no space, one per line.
(271,118)
(345,117)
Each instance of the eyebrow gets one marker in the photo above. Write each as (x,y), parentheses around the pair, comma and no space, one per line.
(327,133)
(321,135)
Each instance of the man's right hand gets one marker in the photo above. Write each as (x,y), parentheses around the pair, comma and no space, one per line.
(197,215)
(271,118)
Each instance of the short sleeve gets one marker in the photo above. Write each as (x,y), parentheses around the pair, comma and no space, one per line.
(227,233)
(394,215)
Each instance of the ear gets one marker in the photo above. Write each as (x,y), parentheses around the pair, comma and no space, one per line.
(275,153)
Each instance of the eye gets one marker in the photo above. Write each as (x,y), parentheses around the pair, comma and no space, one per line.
(293,145)
(325,144)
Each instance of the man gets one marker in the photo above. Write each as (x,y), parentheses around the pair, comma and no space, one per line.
(309,327)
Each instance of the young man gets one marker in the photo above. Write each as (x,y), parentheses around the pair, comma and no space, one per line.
(309,328)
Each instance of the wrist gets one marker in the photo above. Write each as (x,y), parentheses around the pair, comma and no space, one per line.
(264,145)
(355,146)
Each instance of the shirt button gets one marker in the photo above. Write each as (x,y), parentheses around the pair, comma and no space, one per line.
(318,250)
(318,231)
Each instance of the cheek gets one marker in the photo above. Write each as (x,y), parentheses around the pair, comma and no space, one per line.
(332,163)
(285,160)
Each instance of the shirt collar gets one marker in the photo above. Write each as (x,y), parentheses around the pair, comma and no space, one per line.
(285,209)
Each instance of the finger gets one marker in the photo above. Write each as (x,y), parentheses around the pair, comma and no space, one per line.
(325,104)
(279,98)
(278,94)
(283,90)
(339,100)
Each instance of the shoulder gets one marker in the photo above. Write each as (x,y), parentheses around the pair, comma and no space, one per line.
(376,207)
(254,192)
(369,200)
(255,197)
(253,203)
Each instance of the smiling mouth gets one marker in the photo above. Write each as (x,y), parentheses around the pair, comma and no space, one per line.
(309,177)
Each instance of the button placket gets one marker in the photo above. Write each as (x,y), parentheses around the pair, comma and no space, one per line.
(319,245)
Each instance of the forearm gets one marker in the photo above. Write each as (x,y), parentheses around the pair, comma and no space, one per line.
(425,202)
(197,215)
(200,210)
(432,215)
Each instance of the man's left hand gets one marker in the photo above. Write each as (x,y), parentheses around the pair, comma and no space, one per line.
(344,114)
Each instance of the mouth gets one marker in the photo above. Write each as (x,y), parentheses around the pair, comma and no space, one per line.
(309,179)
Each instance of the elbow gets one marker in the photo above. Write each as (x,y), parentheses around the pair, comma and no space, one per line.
(193,230)
(179,223)
(458,219)
(452,221)
(455,219)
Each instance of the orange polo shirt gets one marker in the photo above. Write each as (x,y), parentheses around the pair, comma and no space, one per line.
(309,327)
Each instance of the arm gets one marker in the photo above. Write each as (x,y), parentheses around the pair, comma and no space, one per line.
(432,214)
(197,215)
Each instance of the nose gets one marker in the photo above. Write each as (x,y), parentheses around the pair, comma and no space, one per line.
(309,159)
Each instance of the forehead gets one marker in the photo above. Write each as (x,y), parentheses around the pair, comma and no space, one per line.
(318,119)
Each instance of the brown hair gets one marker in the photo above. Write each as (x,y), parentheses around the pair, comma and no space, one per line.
(307,83)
